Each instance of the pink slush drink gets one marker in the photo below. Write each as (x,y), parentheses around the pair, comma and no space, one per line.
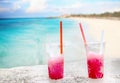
(56,67)
(95,65)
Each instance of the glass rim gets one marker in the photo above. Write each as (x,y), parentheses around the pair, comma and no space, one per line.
(95,42)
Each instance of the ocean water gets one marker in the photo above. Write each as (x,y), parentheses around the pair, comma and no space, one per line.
(23,40)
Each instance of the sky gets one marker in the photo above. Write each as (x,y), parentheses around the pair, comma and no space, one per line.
(48,8)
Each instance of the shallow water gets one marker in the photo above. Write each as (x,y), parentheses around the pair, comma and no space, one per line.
(23,40)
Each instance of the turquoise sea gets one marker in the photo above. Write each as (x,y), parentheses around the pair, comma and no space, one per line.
(23,40)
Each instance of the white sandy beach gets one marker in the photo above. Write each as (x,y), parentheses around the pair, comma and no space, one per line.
(111,32)
(75,72)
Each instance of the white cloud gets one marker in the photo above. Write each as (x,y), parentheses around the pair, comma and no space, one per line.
(60,7)
(64,9)
(5,1)
(88,7)
(24,1)
(13,5)
(17,5)
(76,5)
(101,7)
(115,9)
(36,6)
(4,9)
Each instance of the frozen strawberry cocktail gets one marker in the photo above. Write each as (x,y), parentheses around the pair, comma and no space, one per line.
(56,67)
(95,65)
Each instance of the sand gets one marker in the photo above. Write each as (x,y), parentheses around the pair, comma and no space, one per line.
(76,72)
(111,31)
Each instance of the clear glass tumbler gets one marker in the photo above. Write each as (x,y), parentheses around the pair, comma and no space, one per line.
(55,63)
(95,60)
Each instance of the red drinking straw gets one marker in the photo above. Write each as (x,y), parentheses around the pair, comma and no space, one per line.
(61,40)
(83,35)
